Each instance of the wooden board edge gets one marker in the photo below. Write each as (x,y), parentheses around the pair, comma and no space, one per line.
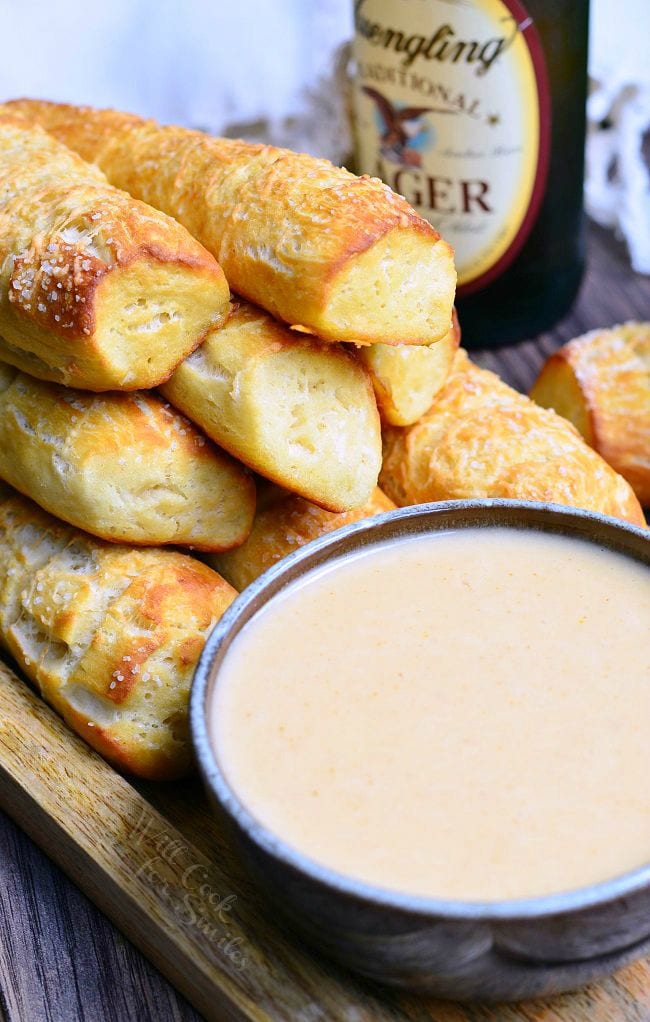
(139,889)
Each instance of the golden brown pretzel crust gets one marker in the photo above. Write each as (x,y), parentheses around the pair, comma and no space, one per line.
(97,289)
(483,439)
(298,411)
(110,635)
(126,467)
(601,383)
(342,256)
(283,523)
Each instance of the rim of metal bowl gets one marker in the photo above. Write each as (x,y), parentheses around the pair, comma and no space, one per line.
(621,537)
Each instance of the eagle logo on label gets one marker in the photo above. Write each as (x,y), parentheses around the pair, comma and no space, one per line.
(403,135)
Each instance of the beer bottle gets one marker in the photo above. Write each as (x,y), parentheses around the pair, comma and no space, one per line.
(474,110)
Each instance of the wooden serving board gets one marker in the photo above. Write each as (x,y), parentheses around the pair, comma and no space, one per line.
(153,859)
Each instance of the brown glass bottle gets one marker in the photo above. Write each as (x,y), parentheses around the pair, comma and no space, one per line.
(540,285)
(476,113)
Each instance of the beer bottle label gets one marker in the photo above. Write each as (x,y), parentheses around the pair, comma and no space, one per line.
(452,111)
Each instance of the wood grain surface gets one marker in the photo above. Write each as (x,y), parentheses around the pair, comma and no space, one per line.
(154,852)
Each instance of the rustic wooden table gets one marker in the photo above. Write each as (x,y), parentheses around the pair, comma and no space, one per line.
(60,959)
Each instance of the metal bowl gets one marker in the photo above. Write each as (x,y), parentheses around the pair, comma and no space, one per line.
(454,949)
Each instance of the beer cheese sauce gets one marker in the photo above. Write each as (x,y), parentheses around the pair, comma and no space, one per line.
(458,715)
